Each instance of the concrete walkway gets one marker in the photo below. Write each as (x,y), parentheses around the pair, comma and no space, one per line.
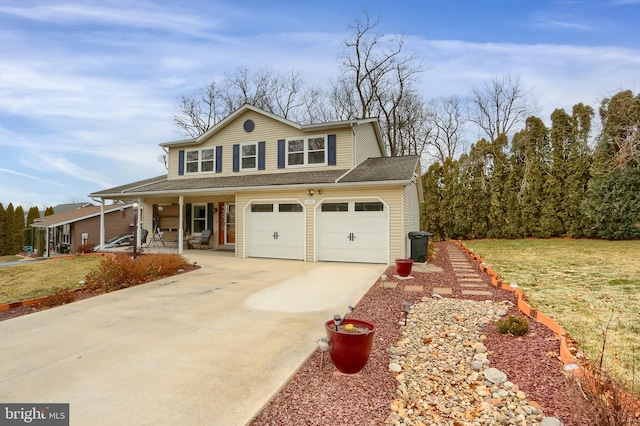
(209,347)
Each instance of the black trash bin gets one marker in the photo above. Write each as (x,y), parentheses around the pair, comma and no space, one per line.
(419,245)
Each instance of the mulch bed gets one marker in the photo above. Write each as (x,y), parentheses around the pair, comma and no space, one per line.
(315,396)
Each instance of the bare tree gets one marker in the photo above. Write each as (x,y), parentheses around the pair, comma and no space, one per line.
(499,105)
(446,117)
(377,80)
(200,111)
(283,94)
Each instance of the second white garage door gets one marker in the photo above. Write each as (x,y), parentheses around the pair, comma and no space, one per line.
(275,230)
(353,231)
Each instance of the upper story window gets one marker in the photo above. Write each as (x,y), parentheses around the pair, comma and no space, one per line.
(249,156)
(199,160)
(306,151)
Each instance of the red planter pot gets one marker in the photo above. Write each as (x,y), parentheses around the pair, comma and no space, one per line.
(404,267)
(350,352)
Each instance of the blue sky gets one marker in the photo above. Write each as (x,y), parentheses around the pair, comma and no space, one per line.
(88,89)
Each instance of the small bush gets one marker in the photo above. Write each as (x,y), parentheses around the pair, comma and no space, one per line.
(122,271)
(431,251)
(85,248)
(516,326)
(60,298)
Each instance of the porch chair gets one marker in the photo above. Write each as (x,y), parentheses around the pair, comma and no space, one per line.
(202,240)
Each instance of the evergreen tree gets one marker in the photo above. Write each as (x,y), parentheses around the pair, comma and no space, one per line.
(512,227)
(18,219)
(3,230)
(553,215)
(9,231)
(456,180)
(536,147)
(478,199)
(579,159)
(49,211)
(32,215)
(431,208)
(497,188)
(612,205)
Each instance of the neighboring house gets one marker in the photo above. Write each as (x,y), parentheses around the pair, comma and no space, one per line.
(61,208)
(268,187)
(66,232)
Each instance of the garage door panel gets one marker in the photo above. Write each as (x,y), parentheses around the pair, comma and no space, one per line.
(352,236)
(275,234)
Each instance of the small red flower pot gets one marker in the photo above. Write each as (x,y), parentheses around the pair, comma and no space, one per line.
(404,266)
(350,351)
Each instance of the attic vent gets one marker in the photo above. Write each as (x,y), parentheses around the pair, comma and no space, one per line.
(248,126)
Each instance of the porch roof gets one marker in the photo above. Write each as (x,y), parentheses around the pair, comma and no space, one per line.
(383,170)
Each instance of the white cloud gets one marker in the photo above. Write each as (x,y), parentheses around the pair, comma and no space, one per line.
(144,16)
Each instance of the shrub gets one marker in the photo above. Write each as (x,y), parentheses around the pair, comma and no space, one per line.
(517,326)
(122,271)
(62,297)
(85,248)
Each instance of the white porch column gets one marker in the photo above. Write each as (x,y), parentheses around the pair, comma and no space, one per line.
(138,220)
(46,242)
(102,224)
(180,229)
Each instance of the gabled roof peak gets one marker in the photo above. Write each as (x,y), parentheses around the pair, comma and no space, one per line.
(248,107)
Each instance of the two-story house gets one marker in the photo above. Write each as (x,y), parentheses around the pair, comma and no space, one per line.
(268,187)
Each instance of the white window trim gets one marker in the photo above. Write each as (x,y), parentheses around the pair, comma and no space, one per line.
(305,152)
(199,151)
(248,169)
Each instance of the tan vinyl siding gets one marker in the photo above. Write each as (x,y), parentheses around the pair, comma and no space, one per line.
(411,214)
(266,130)
(392,196)
(366,143)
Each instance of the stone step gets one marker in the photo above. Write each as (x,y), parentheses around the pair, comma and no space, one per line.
(442,290)
(414,288)
(476,293)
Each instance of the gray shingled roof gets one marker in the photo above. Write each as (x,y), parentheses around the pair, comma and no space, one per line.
(382,169)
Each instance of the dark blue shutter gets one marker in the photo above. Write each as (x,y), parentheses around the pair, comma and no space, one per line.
(331,141)
(236,158)
(261,150)
(188,215)
(181,162)
(218,159)
(210,216)
(281,153)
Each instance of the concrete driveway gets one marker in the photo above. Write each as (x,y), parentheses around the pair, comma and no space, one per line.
(208,347)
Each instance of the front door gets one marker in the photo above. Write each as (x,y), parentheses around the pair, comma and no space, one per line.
(228,224)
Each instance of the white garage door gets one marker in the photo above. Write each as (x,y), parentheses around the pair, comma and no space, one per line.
(275,230)
(353,231)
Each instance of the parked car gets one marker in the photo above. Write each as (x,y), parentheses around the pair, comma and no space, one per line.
(122,240)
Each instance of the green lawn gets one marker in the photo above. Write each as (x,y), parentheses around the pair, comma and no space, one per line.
(42,278)
(580,283)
